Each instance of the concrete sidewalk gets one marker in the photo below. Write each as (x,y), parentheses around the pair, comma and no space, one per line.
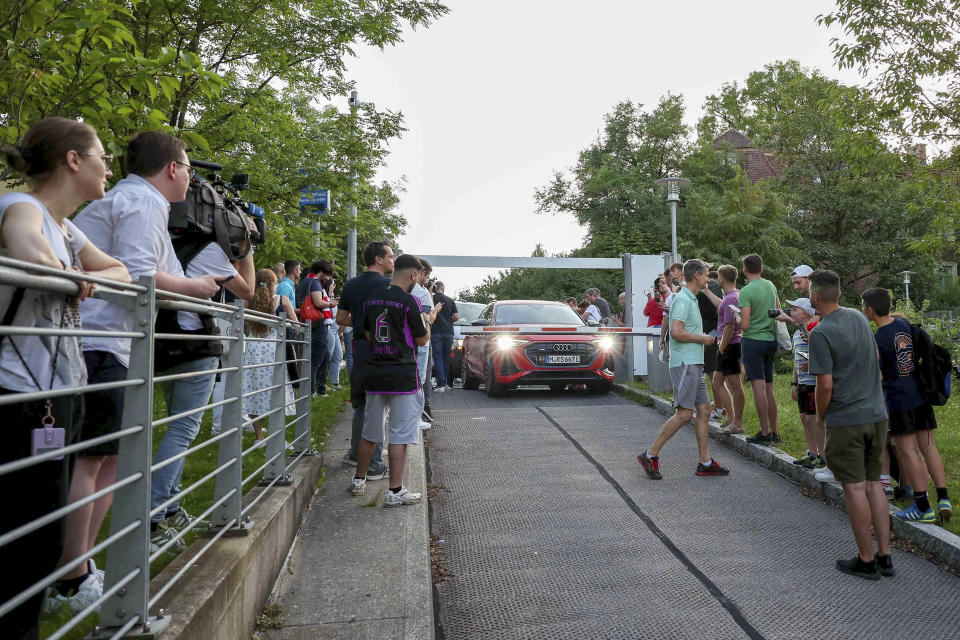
(358,571)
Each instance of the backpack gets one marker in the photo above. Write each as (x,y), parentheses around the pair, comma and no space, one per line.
(170,352)
(933,367)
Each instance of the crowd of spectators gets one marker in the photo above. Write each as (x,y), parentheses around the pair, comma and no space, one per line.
(862,400)
(375,324)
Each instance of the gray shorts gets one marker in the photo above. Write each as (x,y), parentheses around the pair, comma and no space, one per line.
(689,386)
(404,417)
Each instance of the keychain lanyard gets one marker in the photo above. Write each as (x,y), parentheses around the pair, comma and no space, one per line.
(48,420)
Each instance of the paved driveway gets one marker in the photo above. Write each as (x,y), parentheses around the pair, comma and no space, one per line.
(552,531)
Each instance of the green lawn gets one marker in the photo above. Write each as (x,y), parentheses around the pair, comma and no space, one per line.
(324,413)
(947,435)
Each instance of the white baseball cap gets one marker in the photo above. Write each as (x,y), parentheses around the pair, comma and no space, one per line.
(803,303)
(803,271)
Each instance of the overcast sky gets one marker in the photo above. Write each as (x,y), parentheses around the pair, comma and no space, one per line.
(497,95)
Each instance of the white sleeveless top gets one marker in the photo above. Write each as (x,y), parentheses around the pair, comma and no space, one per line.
(43,309)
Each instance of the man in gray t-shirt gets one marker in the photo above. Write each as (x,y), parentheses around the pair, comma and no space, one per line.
(849,397)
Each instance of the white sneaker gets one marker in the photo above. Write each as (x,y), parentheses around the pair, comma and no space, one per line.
(400,498)
(96,573)
(825,475)
(87,593)
(358,486)
(425,425)
(439,389)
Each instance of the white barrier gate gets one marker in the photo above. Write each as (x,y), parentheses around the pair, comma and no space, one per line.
(639,272)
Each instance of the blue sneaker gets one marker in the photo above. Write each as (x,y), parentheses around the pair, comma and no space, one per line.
(945,509)
(913,514)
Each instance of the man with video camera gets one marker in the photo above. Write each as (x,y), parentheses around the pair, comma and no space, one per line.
(131,224)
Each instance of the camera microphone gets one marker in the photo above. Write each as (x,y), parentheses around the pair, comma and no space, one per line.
(203,164)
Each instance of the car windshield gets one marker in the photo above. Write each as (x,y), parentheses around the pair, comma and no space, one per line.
(534,313)
(469,311)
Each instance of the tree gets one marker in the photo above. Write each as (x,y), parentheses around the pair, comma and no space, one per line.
(856,203)
(910,50)
(611,190)
(237,79)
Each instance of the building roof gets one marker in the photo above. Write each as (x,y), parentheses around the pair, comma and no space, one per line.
(757,163)
(734,138)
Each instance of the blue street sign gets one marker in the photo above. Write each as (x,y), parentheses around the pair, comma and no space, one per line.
(314,198)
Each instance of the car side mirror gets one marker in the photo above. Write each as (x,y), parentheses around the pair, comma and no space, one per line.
(480,322)
(592,323)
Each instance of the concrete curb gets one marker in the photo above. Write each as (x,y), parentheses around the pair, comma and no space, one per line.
(941,545)
(221,596)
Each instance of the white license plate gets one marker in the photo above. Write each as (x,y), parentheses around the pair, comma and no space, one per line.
(563,359)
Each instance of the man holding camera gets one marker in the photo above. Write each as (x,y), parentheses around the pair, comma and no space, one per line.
(130,223)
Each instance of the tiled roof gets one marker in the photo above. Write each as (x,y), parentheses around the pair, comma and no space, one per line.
(733,138)
(760,165)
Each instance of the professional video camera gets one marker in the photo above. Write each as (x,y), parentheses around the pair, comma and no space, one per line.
(213,209)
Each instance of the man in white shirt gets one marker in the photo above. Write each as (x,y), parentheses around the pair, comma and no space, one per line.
(423,353)
(130,223)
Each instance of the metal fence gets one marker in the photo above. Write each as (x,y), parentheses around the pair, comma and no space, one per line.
(128,604)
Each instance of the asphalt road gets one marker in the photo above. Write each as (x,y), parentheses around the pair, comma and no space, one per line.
(551,530)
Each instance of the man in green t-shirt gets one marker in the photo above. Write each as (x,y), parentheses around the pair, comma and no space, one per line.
(687,341)
(758,345)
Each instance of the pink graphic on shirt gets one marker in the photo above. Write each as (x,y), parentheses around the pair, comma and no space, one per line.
(903,347)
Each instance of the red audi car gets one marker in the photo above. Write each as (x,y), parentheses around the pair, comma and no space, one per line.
(503,361)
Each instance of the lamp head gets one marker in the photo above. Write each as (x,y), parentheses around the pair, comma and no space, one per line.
(673,185)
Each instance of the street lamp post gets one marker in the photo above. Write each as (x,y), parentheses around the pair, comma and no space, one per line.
(354,102)
(906,282)
(673,185)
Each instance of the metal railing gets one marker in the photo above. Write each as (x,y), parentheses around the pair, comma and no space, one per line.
(127,605)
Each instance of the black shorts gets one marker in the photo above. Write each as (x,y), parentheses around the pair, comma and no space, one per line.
(806,400)
(903,423)
(104,409)
(710,359)
(728,362)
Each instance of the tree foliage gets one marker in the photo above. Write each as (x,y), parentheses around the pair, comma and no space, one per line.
(910,51)
(238,80)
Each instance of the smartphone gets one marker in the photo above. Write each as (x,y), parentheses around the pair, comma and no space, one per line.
(734,308)
(803,354)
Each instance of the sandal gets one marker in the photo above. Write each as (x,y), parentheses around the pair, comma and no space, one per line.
(730,430)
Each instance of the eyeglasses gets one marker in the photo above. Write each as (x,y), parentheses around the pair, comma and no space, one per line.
(184,164)
(106,159)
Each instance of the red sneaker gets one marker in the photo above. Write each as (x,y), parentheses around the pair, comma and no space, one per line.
(713,469)
(651,466)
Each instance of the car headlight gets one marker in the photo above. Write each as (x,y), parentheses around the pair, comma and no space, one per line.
(605,343)
(506,342)
(458,343)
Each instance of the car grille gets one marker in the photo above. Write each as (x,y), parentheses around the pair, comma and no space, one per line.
(537,352)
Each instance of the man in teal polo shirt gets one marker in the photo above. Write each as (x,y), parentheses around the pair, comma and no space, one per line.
(687,341)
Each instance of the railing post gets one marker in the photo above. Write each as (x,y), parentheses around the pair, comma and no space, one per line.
(276,471)
(302,430)
(231,446)
(131,503)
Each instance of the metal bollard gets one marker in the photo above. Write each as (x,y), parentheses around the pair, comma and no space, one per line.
(131,503)
(276,471)
(231,446)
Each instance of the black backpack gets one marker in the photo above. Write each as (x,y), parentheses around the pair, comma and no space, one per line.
(934,367)
(169,352)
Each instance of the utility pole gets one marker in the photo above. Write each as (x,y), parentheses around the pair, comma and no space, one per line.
(354,102)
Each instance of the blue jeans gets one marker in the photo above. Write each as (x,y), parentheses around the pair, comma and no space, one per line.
(441,344)
(181,395)
(319,356)
(336,354)
(348,350)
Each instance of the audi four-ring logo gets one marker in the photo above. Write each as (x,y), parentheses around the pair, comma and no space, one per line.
(563,346)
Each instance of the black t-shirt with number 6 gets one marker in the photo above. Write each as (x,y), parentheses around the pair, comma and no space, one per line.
(392,319)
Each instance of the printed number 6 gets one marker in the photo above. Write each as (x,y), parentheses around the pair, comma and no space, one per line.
(383,329)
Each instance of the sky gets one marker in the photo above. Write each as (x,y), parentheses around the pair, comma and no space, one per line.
(498,95)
